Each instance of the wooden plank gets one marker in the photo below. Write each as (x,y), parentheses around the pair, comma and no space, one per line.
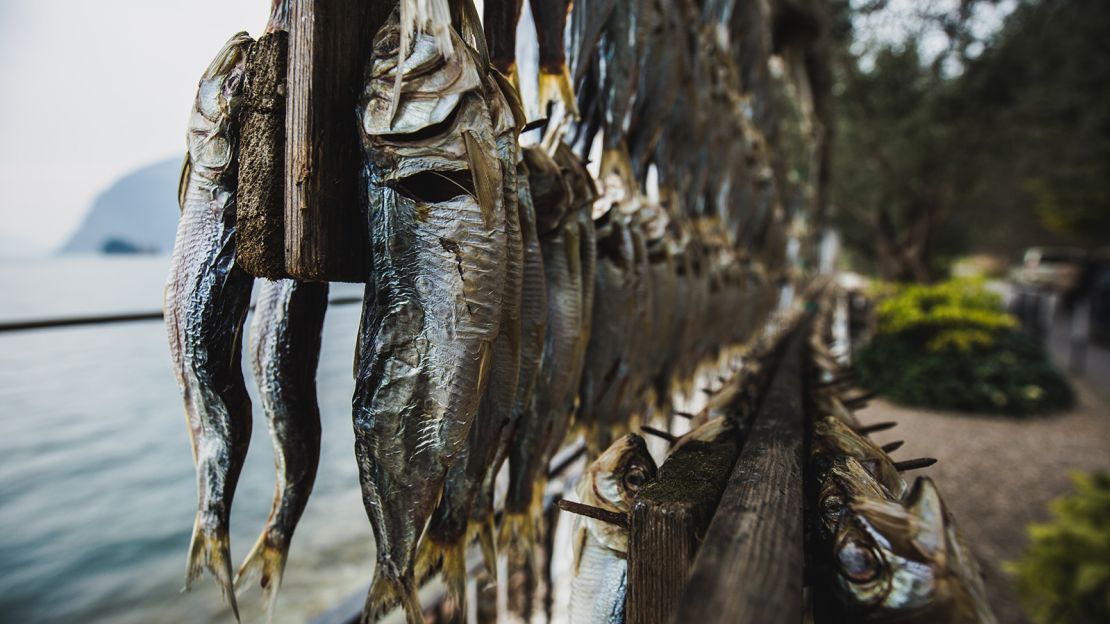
(668,521)
(326,233)
(260,209)
(749,569)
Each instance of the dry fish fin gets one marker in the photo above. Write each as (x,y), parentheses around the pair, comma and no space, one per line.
(385,593)
(617,162)
(485,171)
(472,33)
(483,531)
(555,86)
(265,562)
(454,575)
(510,88)
(927,511)
(212,552)
(183,181)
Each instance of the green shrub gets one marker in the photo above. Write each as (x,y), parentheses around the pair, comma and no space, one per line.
(952,346)
(1064,576)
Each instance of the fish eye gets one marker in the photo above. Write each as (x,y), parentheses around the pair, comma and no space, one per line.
(858,562)
(635,479)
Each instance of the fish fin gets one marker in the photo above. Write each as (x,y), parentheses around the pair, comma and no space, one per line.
(266,562)
(616,161)
(482,530)
(386,592)
(486,172)
(183,180)
(211,552)
(556,86)
(454,576)
(429,556)
(516,531)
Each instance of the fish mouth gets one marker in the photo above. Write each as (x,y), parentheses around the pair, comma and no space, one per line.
(229,56)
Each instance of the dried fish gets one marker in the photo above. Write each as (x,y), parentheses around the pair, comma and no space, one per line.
(906,562)
(550,17)
(542,427)
(206,300)
(285,350)
(438,236)
(600,549)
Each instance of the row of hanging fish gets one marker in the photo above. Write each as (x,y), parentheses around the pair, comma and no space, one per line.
(515,300)
(894,552)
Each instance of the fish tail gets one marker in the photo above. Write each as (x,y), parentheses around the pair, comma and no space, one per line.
(454,576)
(616,161)
(482,530)
(429,556)
(386,592)
(212,552)
(516,531)
(556,86)
(265,561)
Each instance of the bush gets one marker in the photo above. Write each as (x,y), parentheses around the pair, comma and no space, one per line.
(1064,576)
(951,346)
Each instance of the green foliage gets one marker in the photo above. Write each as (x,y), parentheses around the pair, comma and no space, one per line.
(1064,576)
(951,346)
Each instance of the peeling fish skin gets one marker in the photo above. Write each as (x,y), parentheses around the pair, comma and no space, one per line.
(206,301)
(438,239)
(450,529)
(285,351)
(600,550)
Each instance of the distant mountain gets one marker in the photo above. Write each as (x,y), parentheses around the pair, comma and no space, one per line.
(138,212)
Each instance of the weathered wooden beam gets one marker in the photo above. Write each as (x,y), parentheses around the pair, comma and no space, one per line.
(668,520)
(260,211)
(326,233)
(750,566)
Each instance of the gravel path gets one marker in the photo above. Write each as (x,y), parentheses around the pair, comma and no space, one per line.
(997,474)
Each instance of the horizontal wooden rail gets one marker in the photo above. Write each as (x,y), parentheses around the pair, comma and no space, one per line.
(749,569)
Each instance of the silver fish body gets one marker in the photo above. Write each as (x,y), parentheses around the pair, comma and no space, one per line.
(438,239)
(600,565)
(206,301)
(285,351)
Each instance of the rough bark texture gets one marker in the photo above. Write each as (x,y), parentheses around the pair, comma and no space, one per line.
(260,245)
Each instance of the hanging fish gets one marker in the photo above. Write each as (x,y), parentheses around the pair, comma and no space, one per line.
(285,351)
(550,17)
(600,569)
(449,530)
(499,19)
(206,301)
(833,437)
(620,69)
(545,422)
(438,238)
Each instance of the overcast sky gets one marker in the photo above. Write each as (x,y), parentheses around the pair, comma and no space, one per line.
(91,90)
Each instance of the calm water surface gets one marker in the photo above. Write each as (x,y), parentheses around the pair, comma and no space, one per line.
(97,489)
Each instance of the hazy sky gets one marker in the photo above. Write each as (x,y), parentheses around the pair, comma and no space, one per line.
(93,89)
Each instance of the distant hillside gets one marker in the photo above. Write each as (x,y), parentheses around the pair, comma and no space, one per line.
(138,212)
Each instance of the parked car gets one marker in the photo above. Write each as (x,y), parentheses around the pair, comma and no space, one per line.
(1054,268)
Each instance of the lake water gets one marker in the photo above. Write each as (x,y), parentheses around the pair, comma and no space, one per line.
(97,489)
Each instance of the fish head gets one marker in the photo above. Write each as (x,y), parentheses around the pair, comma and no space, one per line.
(611,482)
(216,111)
(891,556)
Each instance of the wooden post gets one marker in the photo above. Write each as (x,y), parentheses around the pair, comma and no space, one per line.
(326,233)
(668,521)
(260,212)
(750,567)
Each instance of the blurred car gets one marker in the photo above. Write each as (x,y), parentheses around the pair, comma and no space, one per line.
(1054,268)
